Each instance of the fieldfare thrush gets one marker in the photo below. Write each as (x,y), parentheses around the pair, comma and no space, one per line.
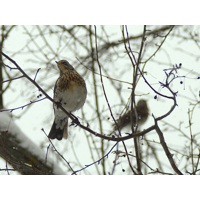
(142,115)
(70,91)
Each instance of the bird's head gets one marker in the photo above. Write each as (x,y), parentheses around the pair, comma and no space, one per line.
(64,65)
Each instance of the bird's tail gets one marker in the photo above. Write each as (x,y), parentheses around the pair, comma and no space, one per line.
(58,133)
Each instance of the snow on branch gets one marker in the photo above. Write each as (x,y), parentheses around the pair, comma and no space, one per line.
(20,152)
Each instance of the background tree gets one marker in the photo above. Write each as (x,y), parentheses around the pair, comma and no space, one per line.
(121,65)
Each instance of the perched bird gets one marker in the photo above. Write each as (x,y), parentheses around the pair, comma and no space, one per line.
(142,115)
(70,91)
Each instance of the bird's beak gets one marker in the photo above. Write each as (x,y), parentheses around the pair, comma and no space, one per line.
(56,61)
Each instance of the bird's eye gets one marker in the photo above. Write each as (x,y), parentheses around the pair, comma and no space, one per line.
(64,62)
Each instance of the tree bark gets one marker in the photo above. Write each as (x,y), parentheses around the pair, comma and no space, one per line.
(22,160)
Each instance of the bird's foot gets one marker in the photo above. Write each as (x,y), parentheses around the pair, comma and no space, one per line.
(75,122)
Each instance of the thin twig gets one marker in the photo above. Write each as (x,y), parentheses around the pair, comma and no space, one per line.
(97,102)
(22,107)
(164,145)
(97,161)
(58,152)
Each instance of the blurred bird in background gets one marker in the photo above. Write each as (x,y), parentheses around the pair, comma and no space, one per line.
(142,115)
